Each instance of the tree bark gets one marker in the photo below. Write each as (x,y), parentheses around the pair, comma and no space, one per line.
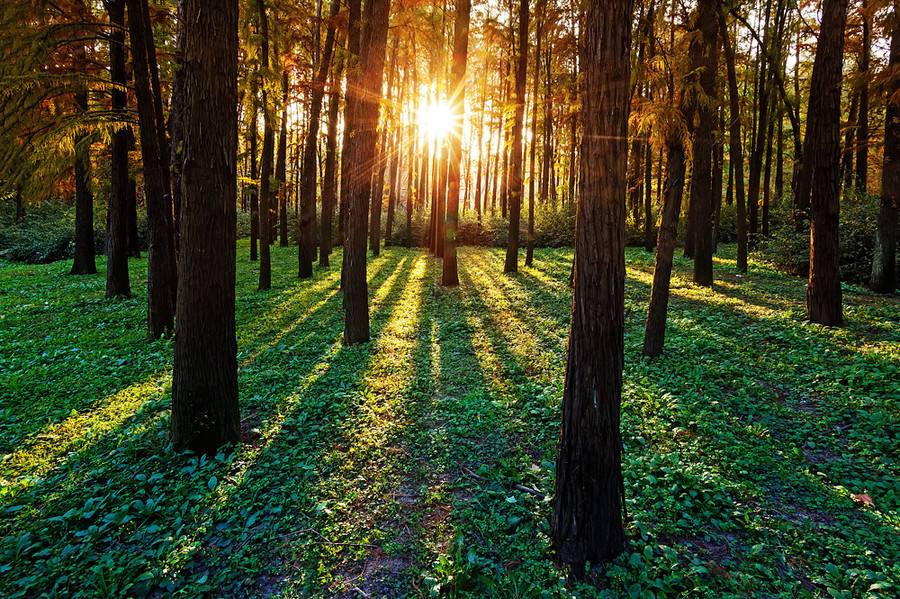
(162,270)
(329,190)
(306,227)
(705,58)
(84,262)
(515,163)
(205,412)
(253,134)
(117,281)
(449,274)
(281,166)
(268,154)
(822,165)
(354,33)
(587,516)
(862,128)
(365,93)
(884,262)
(736,154)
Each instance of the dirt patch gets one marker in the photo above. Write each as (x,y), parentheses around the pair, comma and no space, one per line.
(378,575)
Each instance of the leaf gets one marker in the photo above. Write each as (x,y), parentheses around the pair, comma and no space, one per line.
(863,499)
(213,481)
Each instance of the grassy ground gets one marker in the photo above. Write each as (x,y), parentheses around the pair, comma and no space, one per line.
(760,451)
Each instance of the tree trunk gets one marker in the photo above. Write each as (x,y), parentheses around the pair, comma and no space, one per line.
(354,33)
(134,242)
(253,133)
(539,26)
(449,274)
(205,412)
(822,165)
(884,262)
(84,262)
(329,190)
(162,270)
(377,199)
(268,151)
(736,154)
(117,282)
(365,93)
(847,154)
(281,166)
(515,167)
(655,329)
(587,507)
(862,128)
(307,223)
(705,57)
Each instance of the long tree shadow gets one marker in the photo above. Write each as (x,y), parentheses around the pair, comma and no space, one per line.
(150,480)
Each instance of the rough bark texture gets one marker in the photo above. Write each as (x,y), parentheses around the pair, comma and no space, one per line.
(306,252)
(884,262)
(449,274)
(354,33)
(587,507)
(117,282)
(362,130)
(516,186)
(161,277)
(704,59)
(822,155)
(205,413)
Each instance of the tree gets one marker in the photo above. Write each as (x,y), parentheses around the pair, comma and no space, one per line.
(307,224)
(84,262)
(587,507)
(515,161)
(862,125)
(705,60)
(361,129)
(205,413)
(117,283)
(884,262)
(281,166)
(161,276)
(268,154)
(329,191)
(449,274)
(821,167)
(735,150)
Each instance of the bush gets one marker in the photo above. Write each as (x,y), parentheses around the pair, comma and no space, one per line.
(788,248)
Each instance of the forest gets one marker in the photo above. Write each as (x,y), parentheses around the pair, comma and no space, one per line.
(463,298)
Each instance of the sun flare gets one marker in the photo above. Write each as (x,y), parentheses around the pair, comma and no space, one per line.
(437,120)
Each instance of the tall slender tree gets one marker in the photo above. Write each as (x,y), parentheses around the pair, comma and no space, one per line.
(268,154)
(449,274)
(587,507)
(515,161)
(821,168)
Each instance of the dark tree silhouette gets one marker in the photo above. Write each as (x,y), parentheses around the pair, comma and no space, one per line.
(205,411)
(587,508)
(516,186)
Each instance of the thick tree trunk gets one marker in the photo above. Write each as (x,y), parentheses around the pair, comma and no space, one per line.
(162,270)
(587,507)
(884,262)
(515,167)
(205,412)
(736,154)
(268,154)
(822,163)
(705,57)
(449,274)
(354,33)
(365,92)
(117,282)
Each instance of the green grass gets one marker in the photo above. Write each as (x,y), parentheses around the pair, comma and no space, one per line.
(392,467)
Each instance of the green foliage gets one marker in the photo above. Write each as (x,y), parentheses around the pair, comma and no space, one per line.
(789,248)
(760,451)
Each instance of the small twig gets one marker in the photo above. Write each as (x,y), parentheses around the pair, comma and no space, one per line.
(517,486)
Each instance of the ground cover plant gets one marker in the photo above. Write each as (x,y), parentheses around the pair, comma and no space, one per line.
(759,450)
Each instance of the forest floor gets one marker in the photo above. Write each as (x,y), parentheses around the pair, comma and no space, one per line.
(760,451)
